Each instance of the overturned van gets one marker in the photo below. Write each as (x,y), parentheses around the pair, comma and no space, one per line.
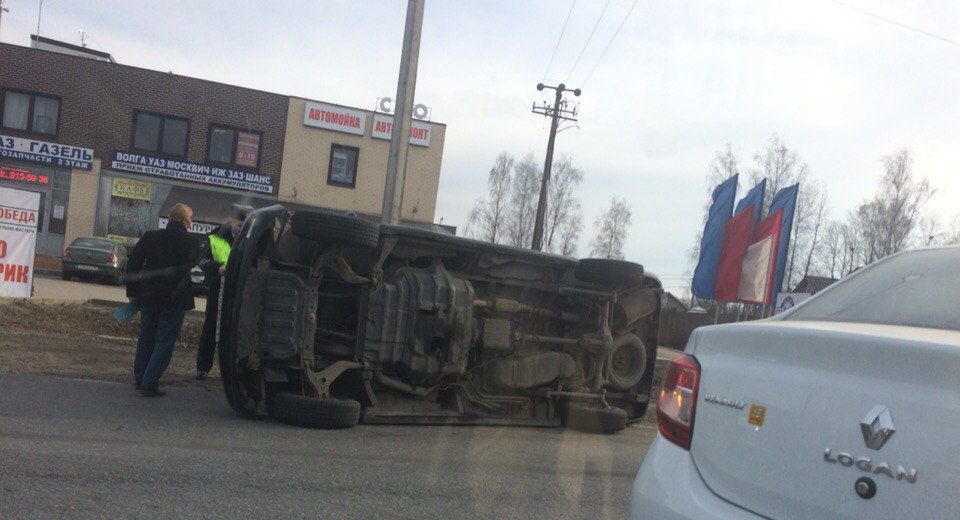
(328,319)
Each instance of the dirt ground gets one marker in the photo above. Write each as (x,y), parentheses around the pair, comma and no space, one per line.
(81,339)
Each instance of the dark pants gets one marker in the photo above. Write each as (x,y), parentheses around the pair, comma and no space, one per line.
(208,338)
(159,330)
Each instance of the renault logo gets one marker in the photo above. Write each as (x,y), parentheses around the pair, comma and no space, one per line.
(877,427)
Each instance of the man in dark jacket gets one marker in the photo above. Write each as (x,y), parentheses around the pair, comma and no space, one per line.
(158,279)
(213,262)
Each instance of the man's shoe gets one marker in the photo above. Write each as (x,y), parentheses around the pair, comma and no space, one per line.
(201,374)
(152,392)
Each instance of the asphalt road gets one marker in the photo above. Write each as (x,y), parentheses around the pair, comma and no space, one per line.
(89,449)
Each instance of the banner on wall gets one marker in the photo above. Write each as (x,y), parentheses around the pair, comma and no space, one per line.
(129,210)
(383,126)
(42,152)
(195,172)
(199,228)
(333,117)
(18,241)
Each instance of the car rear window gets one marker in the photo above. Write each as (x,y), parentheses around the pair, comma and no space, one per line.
(98,243)
(915,289)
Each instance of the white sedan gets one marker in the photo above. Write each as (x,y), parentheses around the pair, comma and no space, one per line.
(846,406)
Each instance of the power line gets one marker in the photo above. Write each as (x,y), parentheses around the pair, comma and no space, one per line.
(602,54)
(894,22)
(605,6)
(557,46)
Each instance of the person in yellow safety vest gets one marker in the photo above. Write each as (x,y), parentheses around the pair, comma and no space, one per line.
(213,262)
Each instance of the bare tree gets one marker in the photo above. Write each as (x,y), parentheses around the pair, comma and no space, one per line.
(724,165)
(487,219)
(830,257)
(814,210)
(931,232)
(888,221)
(563,207)
(953,235)
(781,167)
(525,190)
(569,235)
(612,229)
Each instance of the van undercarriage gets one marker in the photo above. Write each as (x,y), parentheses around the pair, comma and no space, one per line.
(327,319)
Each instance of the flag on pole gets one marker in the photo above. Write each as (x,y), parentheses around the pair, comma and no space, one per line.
(705,275)
(785,200)
(754,198)
(760,260)
(736,238)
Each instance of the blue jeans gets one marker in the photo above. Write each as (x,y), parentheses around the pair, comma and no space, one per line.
(159,330)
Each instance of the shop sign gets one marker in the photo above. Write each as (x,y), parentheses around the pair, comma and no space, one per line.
(131,189)
(42,152)
(248,149)
(18,241)
(129,210)
(188,171)
(383,125)
(24,176)
(332,117)
(787,301)
(200,228)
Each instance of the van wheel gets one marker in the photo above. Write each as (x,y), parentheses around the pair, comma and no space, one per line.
(628,362)
(594,420)
(66,276)
(300,410)
(329,227)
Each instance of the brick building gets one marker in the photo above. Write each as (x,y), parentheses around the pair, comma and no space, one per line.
(112,147)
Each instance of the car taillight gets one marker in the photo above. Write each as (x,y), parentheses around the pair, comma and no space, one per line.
(66,253)
(677,405)
(112,258)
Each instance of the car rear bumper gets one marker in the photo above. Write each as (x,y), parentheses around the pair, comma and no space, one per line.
(89,268)
(669,487)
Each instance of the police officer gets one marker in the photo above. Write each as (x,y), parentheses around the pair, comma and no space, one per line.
(213,262)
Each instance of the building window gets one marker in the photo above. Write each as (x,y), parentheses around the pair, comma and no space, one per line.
(343,165)
(161,134)
(233,146)
(31,112)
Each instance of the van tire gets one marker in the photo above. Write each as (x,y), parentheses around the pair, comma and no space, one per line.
(609,273)
(334,228)
(310,412)
(594,420)
(628,362)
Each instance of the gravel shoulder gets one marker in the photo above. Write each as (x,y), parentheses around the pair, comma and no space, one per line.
(82,340)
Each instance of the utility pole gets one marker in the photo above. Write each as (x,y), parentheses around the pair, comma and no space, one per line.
(3,10)
(39,15)
(400,131)
(556,113)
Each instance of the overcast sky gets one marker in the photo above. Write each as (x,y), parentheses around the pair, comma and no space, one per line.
(680,81)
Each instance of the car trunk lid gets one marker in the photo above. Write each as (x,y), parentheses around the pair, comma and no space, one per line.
(816,382)
(89,255)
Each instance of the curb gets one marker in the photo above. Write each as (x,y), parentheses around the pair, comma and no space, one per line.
(111,304)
